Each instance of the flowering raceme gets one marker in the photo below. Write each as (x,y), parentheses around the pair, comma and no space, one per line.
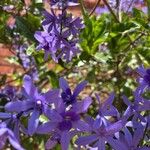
(60,36)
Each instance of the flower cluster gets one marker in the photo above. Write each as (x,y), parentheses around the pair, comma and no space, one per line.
(27,62)
(67,117)
(60,35)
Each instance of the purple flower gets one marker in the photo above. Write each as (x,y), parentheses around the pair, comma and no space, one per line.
(144,80)
(35,102)
(67,96)
(107,108)
(13,122)
(45,41)
(61,34)
(9,92)
(50,20)
(140,104)
(101,129)
(64,123)
(129,140)
(5,134)
(101,133)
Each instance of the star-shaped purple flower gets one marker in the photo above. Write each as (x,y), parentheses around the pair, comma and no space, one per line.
(65,123)
(35,102)
(67,96)
(5,134)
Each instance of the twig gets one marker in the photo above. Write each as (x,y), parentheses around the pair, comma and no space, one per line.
(111,11)
(133,42)
(129,6)
(82,8)
(92,11)
(128,47)
(115,17)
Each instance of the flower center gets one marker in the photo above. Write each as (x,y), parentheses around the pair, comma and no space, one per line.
(67,97)
(38,104)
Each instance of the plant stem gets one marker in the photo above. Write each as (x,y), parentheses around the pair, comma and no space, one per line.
(115,17)
(92,11)
(82,8)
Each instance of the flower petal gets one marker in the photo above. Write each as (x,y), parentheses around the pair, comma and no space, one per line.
(63,84)
(39,37)
(19,106)
(101,144)
(33,122)
(5,115)
(81,107)
(116,144)
(52,96)
(13,141)
(115,127)
(79,88)
(65,140)
(46,127)
(85,140)
(29,87)
(82,126)
(109,101)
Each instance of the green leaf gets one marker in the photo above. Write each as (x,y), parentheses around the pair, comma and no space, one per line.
(30,49)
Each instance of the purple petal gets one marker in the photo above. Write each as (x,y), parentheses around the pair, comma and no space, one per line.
(79,88)
(29,87)
(85,140)
(141,70)
(5,115)
(81,107)
(138,134)
(128,136)
(98,98)
(115,127)
(101,144)
(19,106)
(39,37)
(97,123)
(109,101)
(3,131)
(112,111)
(53,115)
(63,84)
(13,141)
(50,144)
(33,122)
(144,148)
(16,130)
(89,120)
(116,144)
(52,96)
(15,144)
(65,140)
(46,127)
(82,126)
(126,101)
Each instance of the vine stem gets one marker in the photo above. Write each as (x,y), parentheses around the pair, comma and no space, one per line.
(82,8)
(92,11)
(111,11)
(115,17)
